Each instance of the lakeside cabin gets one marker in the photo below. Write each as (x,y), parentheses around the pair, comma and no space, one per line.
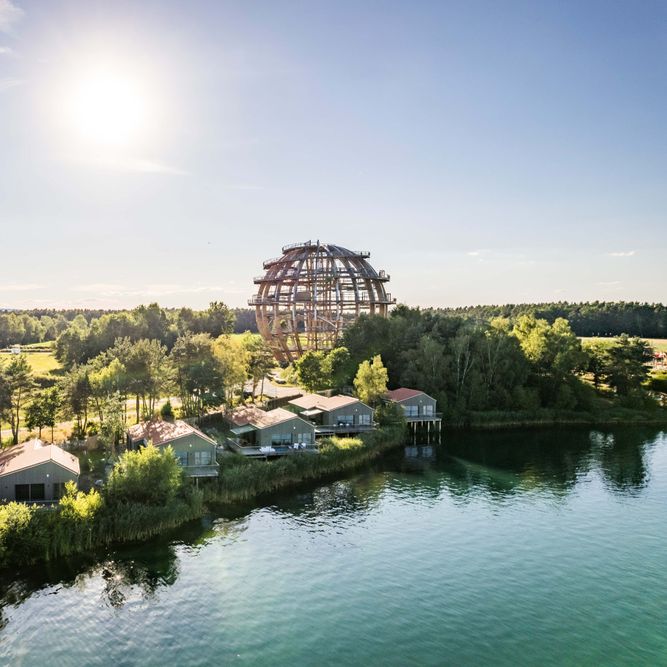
(34,471)
(419,409)
(274,432)
(194,450)
(334,415)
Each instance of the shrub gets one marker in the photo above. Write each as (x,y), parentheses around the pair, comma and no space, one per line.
(17,531)
(148,476)
(167,412)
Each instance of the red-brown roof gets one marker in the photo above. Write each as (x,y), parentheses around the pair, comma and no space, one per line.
(160,432)
(35,452)
(402,394)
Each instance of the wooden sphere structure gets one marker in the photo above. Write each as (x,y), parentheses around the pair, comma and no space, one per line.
(311,293)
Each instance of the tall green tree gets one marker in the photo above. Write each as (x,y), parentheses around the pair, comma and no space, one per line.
(234,361)
(113,427)
(311,371)
(627,364)
(338,367)
(260,359)
(20,385)
(371,380)
(555,354)
(199,373)
(106,380)
(5,399)
(42,411)
(76,395)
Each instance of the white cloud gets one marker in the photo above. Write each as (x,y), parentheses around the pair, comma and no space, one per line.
(609,283)
(6,84)
(474,253)
(20,287)
(623,253)
(9,15)
(6,51)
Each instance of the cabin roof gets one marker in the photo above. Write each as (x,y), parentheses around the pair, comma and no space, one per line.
(160,431)
(324,403)
(35,452)
(402,394)
(254,416)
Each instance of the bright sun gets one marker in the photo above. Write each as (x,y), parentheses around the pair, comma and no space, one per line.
(107,108)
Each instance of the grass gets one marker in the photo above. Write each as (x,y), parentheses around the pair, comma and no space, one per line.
(43,364)
(658,344)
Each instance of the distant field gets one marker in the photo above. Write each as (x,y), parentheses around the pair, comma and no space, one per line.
(42,363)
(659,344)
(49,343)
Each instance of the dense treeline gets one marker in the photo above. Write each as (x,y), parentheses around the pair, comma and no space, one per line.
(43,325)
(500,365)
(203,371)
(24,328)
(597,318)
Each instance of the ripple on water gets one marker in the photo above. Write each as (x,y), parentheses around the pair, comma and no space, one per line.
(556,556)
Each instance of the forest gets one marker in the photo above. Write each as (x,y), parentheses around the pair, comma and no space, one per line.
(524,364)
(121,366)
(596,318)
(94,328)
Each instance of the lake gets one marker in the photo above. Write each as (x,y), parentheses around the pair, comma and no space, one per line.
(534,547)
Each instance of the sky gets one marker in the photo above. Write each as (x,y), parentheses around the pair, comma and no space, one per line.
(484,152)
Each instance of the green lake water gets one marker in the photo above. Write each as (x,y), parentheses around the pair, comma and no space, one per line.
(512,548)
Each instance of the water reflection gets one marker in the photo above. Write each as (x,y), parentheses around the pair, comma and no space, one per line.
(129,578)
(468,466)
(622,458)
(133,572)
(553,461)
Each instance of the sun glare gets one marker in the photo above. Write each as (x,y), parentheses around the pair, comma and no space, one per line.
(107,108)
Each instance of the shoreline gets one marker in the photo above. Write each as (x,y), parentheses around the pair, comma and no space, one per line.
(30,534)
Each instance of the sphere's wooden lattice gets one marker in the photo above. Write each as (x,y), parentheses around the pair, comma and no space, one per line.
(311,293)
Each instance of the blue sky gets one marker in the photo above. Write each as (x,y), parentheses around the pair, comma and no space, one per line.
(484,152)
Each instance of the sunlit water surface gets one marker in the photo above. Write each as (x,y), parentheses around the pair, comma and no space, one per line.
(541,548)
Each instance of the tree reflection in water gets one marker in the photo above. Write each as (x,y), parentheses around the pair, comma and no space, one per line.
(131,578)
(621,457)
(497,466)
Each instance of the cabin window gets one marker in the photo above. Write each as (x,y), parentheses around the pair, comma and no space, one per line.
(22,491)
(37,492)
(303,437)
(202,458)
(364,420)
(427,410)
(345,420)
(58,490)
(182,458)
(281,439)
(411,410)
